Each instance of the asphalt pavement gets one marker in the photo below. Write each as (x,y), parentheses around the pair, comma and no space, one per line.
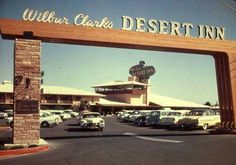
(125,144)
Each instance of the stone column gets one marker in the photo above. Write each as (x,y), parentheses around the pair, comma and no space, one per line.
(147,91)
(232,66)
(26,91)
(225,90)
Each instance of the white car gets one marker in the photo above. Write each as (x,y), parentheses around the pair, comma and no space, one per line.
(62,114)
(200,118)
(71,113)
(91,120)
(124,115)
(57,117)
(5,119)
(46,120)
(172,119)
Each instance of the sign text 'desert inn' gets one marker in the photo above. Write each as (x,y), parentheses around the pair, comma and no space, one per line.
(128,23)
(142,71)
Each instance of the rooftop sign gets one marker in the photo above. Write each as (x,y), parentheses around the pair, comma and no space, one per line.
(141,71)
(128,23)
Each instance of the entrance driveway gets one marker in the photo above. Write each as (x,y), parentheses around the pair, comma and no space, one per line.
(122,143)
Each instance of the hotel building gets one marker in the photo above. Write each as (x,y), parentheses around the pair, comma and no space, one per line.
(52,97)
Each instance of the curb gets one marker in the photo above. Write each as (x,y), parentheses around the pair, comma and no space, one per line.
(15,152)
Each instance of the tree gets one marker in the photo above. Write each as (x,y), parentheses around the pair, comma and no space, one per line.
(207,103)
(84,105)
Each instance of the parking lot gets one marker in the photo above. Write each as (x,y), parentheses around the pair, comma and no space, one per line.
(123,143)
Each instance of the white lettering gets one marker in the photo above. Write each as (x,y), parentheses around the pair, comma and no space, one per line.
(187,27)
(46,17)
(140,24)
(210,31)
(175,26)
(152,23)
(201,31)
(83,20)
(220,33)
(163,27)
(127,23)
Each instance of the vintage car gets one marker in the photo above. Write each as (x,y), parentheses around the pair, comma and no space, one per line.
(62,114)
(157,115)
(50,113)
(134,116)
(47,120)
(91,120)
(123,115)
(142,120)
(172,119)
(200,118)
(5,119)
(71,112)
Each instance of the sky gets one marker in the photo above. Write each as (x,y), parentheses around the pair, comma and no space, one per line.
(185,76)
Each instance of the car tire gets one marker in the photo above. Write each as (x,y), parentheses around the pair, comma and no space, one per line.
(205,126)
(140,123)
(100,128)
(11,124)
(44,124)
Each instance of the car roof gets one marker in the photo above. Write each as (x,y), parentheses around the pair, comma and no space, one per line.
(183,111)
(200,110)
(91,113)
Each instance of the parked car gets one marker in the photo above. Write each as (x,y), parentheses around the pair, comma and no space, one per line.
(125,114)
(91,120)
(132,117)
(50,113)
(3,115)
(128,115)
(46,120)
(62,114)
(118,114)
(142,120)
(6,120)
(172,119)
(71,112)
(9,112)
(157,115)
(200,118)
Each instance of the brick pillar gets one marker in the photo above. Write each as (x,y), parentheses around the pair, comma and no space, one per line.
(232,66)
(26,91)
(225,90)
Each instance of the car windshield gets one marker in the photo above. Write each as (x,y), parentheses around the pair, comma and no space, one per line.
(136,112)
(50,113)
(44,115)
(155,113)
(91,115)
(174,114)
(145,113)
(196,113)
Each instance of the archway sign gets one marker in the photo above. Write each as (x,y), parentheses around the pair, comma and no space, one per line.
(29,33)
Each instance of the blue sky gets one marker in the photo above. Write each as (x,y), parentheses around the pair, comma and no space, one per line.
(185,76)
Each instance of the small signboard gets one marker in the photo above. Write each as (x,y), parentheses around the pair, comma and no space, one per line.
(27,106)
(142,71)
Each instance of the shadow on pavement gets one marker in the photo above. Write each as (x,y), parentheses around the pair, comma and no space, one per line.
(72,125)
(80,130)
(124,135)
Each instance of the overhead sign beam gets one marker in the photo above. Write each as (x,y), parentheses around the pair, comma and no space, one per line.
(70,34)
